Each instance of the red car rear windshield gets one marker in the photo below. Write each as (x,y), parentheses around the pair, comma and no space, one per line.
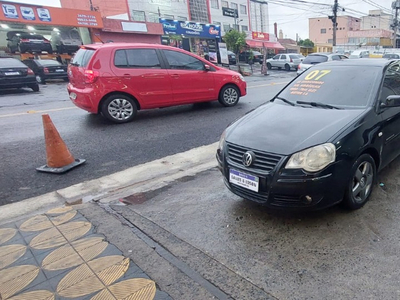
(82,57)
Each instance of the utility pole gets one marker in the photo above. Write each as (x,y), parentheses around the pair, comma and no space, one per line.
(334,21)
(395,24)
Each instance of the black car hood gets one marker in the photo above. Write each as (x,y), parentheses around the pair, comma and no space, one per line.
(284,129)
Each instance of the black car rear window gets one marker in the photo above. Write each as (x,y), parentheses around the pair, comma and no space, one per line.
(82,57)
(315,59)
(343,86)
(32,36)
(46,62)
(11,63)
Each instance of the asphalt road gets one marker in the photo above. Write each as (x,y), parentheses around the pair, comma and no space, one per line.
(107,147)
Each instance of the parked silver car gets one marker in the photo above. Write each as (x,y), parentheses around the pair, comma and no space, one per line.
(316,58)
(285,61)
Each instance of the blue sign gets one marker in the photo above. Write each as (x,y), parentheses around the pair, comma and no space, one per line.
(27,13)
(10,11)
(191,29)
(44,14)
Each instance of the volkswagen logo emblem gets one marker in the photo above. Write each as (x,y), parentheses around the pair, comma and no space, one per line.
(248,158)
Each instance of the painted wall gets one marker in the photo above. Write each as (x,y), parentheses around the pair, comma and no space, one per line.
(106,7)
(345,24)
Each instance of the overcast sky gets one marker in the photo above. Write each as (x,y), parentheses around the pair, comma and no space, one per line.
(291,18)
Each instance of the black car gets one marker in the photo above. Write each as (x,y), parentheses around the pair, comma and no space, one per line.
(14,74)
(27,42)
(45,69)
(232,58)
(391,56)
(320,141)
(245,56)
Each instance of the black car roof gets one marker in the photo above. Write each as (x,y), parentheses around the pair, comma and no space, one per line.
(371,62)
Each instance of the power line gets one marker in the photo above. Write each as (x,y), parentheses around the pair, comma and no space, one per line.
(370,2)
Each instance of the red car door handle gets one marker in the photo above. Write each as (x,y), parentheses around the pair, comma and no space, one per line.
(176,76)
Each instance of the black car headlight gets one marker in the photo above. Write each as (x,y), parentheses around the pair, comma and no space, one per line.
(313,159)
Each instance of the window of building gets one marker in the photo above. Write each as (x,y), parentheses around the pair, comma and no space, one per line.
(245,28)
(137,58)
(236,27)
(138,15)
(217,23)
(153,17)
(323,30)
(234,5)
(243,9)
(227,27)
(169,17)
(181,61)
(330,41)
(224,3)
(214,4)
(180,18)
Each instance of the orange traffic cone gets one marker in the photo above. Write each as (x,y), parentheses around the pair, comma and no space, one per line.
(59,159)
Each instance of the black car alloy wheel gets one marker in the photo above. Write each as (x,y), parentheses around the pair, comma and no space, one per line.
(361,182)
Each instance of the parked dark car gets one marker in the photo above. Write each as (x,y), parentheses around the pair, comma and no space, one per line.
(245,57)
(27,42)
(45,69)
(66,41)
(232,58)
(391,56)
(320,141)
(14,74)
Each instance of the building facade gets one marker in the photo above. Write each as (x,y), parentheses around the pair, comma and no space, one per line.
(376,19)
(321,29)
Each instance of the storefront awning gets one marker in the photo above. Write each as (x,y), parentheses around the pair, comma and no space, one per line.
(266,44)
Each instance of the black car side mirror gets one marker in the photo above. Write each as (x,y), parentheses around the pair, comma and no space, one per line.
(391,101)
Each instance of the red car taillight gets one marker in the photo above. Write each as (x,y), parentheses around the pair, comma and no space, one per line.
(24,40)
(91,76)
(30,72)
(46,41)
(46,70)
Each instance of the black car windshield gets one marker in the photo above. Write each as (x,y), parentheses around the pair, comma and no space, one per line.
(48,62)
(339,86)
(315,59)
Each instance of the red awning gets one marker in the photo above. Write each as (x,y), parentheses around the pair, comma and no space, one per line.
(261,44)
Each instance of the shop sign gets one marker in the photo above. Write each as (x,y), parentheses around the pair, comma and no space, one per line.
(34,14)
(190,29)
(260,36)
(230,12)
(131,26)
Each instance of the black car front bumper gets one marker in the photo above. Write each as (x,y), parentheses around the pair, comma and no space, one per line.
(289,189)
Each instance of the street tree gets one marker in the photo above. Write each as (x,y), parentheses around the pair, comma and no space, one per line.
(235,40)
(306,43)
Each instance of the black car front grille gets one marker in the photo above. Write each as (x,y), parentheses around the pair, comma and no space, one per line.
(264,161)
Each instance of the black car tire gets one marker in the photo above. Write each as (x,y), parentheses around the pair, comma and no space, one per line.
(40,79)
(361,182)
(269,66)
(229,95)
(287,67)
(34,87)
(119,108)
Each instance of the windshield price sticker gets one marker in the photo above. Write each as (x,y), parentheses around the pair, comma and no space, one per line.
(311,83)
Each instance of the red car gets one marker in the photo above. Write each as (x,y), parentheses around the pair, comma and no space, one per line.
(118,79)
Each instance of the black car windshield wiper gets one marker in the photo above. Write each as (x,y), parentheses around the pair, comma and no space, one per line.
(318,104)
(284,100)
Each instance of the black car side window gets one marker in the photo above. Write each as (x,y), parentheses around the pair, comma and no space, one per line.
(181,61)
(137,58)
(391,83)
